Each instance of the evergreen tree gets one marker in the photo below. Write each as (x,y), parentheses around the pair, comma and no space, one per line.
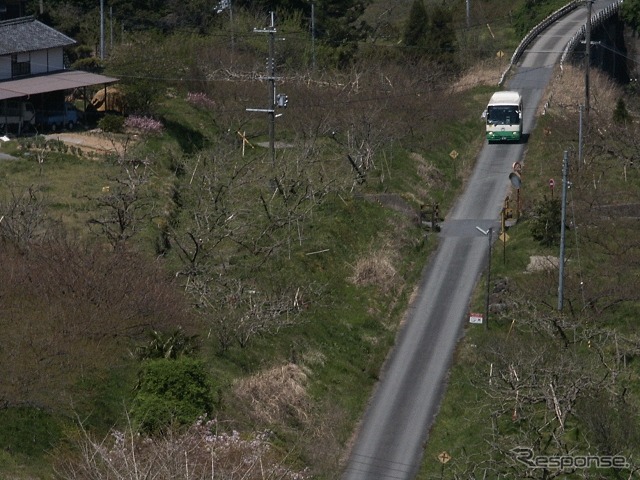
(441,37)
(631,14)
(546,222)
(415,33)
(338,26)
(620,113)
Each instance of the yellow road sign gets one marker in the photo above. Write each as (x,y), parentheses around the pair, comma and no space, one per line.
(453,154)
(444,457)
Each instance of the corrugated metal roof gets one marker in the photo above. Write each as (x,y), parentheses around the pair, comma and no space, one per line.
(26,34)
(65,80)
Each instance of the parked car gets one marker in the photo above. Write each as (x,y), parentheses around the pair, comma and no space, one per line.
(16,115)
(66,116)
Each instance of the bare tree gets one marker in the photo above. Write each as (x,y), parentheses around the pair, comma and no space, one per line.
(125,204)
(23,216)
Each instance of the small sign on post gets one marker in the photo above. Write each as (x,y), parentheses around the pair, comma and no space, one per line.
(476,318)
(444,457)
(552,184)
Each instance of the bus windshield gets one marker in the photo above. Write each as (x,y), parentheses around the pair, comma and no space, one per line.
(503,115)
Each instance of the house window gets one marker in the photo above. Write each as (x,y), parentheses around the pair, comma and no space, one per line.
(20,65)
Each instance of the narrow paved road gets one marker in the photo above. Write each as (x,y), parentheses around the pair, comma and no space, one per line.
(395,427)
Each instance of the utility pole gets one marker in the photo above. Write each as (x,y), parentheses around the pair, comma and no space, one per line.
(468,12)
(271,77)
(271,89)
(563,216)
(587,39)
(313,34)
(580,139)
(101,29)
(110,28)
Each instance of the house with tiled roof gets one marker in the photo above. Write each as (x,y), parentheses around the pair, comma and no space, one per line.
(29,47)
(32,65)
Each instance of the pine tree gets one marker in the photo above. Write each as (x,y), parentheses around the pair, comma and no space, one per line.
(415,33)
(620,113)
(339,27)
(441,37)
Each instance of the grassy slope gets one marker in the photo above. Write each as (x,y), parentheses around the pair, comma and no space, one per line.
(341,345)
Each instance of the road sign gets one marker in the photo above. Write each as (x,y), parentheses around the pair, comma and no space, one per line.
(476,318)
(516,181)
(453,154)
(444,457)
(552,183)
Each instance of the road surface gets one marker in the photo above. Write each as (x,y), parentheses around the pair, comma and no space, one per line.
(395,427)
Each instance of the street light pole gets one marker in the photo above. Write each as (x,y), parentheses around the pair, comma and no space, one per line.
(486,307)
(489,234)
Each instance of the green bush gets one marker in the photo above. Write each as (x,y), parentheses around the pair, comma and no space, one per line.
(171,392)
(112,123)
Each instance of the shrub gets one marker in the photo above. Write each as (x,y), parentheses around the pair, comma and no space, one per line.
(171,392)
(91,64)
(112,123)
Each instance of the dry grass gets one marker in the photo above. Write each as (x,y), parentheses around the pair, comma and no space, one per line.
(566,92)
(277,395)
(376,269)
(429,173)
(485,73)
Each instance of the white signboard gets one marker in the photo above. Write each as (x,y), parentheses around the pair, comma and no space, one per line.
(476,318)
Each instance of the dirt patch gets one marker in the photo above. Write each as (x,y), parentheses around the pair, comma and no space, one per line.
(92,142)
(542,262)
(392,201)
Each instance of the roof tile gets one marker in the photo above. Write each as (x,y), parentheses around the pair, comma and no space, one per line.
(27,34)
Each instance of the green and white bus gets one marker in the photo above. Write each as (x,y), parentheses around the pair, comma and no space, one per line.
(504,117)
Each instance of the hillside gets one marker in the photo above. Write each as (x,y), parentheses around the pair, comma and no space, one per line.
(191,269)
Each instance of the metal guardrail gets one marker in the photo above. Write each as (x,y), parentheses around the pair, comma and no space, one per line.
(535,32)
(597,19)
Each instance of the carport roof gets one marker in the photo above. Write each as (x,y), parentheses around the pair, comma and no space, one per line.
(64,80)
